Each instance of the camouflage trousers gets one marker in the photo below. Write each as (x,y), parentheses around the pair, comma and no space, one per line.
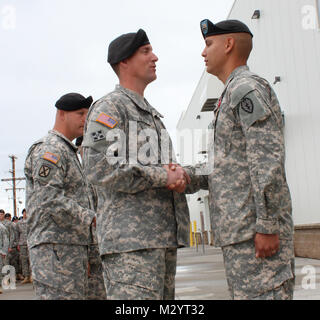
(14,259)
(251,278)
(59,271)
(25,262)
(1,266)
(96,289)
(140,275)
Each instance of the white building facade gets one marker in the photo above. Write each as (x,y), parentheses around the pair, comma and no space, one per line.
(287,53)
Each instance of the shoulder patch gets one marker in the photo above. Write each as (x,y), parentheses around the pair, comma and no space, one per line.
(247,105)
(106,120)
(44,171)
(51,157)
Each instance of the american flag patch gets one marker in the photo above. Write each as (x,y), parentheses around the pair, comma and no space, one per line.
(106,120)
(51,157)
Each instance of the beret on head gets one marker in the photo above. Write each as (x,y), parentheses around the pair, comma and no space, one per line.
(223,27)
(73,101)
(126,45)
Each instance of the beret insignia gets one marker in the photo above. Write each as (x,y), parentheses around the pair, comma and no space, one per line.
(204,26)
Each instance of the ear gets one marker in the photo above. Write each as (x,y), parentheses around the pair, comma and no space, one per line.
(124,64)
(229,44)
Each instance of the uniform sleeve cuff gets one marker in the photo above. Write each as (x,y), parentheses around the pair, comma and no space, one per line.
(267,226)
(157,176)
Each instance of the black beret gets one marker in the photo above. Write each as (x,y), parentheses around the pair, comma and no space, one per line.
(223,27)
(73,101)
(126,45)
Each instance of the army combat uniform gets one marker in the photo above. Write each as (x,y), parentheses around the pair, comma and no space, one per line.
(9,226)
(14,254)
(96,288)
(59,218)
(248,190)
(4,245)
(140,223)
(22,229)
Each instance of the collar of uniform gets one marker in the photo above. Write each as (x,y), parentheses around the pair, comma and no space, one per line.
(60,135)
(235,73)
(137,99)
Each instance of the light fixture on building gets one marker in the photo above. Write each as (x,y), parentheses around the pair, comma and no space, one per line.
(256,14)
(198,116)
(202,152)
(199,199)
(277,79)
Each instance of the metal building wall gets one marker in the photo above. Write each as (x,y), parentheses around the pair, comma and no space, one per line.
(286,45)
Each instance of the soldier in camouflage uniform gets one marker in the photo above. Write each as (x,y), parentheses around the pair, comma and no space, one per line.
(250,201)
(96,288)
(140,223)
(8,224)
(59,204)
(4,246)
(15,256)
(22,229)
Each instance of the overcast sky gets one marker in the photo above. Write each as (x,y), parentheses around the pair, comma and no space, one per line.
(52,47)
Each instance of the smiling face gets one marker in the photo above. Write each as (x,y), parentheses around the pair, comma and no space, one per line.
(142,65)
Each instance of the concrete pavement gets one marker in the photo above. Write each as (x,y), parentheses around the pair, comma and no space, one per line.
(201,276)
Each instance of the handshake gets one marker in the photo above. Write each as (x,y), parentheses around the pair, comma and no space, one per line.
(177,178)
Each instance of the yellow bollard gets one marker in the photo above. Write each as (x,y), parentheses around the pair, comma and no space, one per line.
(191,237)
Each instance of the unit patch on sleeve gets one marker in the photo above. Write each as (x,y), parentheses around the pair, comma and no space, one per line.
(247,105)
(44,171)
(106,120)
(51,157)
(97,136)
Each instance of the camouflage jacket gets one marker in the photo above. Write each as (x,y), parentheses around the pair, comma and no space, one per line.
(22,231)
(248,191)
(58,198)
(123,158)
(4,240)
(9,226)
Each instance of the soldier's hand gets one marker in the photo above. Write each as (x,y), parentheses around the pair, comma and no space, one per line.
(18,248)
(180,184)
(3,256)
(266,245)
(176,180)
(94,222)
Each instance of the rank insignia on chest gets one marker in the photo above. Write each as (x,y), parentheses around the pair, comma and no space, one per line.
(44,171)
(106,120)
(247,105)
(97,136)
(51,157)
